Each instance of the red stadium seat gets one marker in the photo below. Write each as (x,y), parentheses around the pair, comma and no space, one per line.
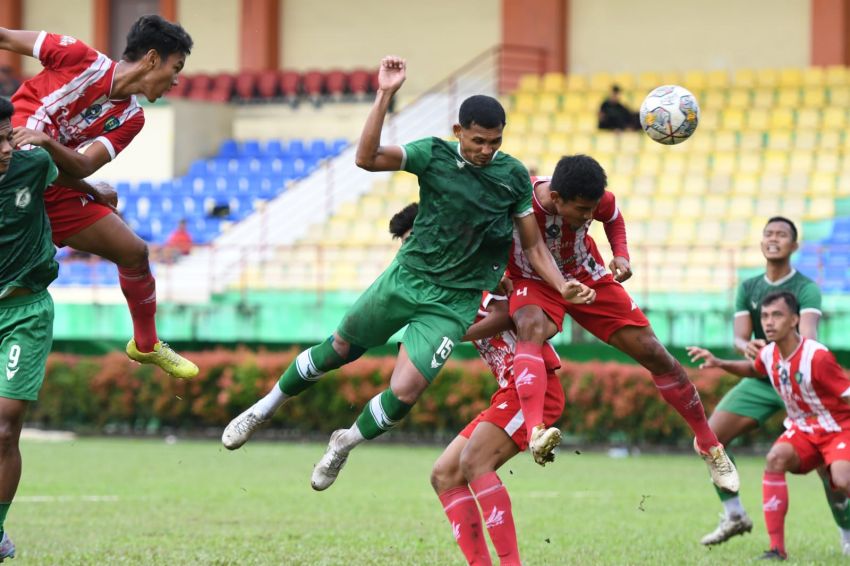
(200,87)
(290,84)
(223,85)
(314,83)
(246,85)
(373,81)
(267,85)
(336,83)
(181,88)
(359,82)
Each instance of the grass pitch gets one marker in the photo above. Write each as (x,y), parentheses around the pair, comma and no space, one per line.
(101,501)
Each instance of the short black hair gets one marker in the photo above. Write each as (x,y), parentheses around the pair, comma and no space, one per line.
(786,296)
(579,176)
(786,221)
(6,109)
(483,110)
(154,32)
(615,88)
(402,221)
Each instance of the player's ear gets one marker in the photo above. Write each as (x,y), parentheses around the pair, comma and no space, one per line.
(795,246)
(152,58)
(456,129)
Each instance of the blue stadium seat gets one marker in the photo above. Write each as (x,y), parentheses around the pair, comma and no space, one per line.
(228,149)
(339,145)
(274,148)
(251,149)
(296,148)
(318,149)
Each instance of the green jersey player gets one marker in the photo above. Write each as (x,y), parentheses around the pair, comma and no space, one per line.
(27,267)
(750,403)
(471,196)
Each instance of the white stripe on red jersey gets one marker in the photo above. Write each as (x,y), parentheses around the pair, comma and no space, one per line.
(574,251)
(69,99)
(812,385)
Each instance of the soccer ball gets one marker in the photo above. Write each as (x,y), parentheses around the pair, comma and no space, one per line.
(669,114)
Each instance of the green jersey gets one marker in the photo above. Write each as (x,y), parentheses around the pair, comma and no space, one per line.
(26,249)
(462,235)
(753,290)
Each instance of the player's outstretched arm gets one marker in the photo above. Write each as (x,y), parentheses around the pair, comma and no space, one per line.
(100,192)
(744,343)
(76,164)
(371,155)
(742,368)
(498,320)
(18,41)
(544,265)
(809,325)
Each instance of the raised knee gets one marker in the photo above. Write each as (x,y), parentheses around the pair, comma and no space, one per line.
(8,437)
(531,326)
(778,461)
(445,476)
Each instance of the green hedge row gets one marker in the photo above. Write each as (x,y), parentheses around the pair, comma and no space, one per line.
(606,401)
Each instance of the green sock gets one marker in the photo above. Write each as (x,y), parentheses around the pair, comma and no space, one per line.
(308,367)
(382,413)
(4,508)
(725,495)
(838,504)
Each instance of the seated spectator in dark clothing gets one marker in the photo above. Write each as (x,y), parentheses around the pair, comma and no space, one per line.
(8,83)
(614,115)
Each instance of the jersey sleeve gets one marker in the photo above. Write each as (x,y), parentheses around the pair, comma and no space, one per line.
(522,206)
(760,362)
(116,140)
(810,298)
(609,214)
(417,156)
(829,375)
(741,300)
(59,51)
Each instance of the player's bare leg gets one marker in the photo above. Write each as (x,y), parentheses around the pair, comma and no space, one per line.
(488,449)
(728,426)
(534,327)
(839,474)
(383,412)
(641,344)
(111,239)
(11,421)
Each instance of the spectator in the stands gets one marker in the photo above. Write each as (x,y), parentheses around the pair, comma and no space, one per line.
(178,244)
(614,115)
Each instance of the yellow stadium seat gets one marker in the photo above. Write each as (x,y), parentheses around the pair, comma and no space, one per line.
(574,103)
(836,75)
(548,102)
(805,139)
(702,142)
(695,80)
(713,101)
(758,119)
(645,185)
(750,140)
(657,231)
(764,98)
(788,97)
(744,78)
(663,206)
(518,123)
(741,206)
(768,78)
(808,118)
(625,163)
(681,232)
(690,206)
(669,185)
(793,206)
(647,81)
(637,207)
(547,163)
(827,162)
(553,83)
(765,207)
(716,205)
(839,96)
(718,79)
(696,185)
(346,210)
(649,163)
(630,143)
(745,183)
(779,139)
(775,161)
(558,142)
(732,119)
(525,102)
(814,97)
(562,122)
(674,163)
(535,145)
(529,83)
(821,208)
(813,76)
(749,162)
(581,143)
(790,77)
(710,230)
(829,139)
(606,142)
(723,162)
(719,183)
(709,121)
(726,140)
(800,161)
(577,83)
(619,184)
(771,184)
(736,231)
(670,78)
(821,184)
(834,118)
(586,123)
(370,206)
(739,98)
(842,185)
(626,80)
(796,183)
(540,124)
(601,82)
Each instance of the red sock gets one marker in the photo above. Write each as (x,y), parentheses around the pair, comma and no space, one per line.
(462,511)
(775,503)
(139,288)
(495,505)
(681,394)
(530,376)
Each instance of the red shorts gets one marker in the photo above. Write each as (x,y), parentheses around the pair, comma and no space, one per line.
(70,212)
(612,310)
(504,411)
(818,448)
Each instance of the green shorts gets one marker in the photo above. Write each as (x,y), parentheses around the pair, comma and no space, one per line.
(754,398)
(26,335)
(436,317)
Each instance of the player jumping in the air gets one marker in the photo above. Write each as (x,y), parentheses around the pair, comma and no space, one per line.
(564,207)
(464,476)
(27,267)
(82,109)
(753,401)
(816,394)
(471,197)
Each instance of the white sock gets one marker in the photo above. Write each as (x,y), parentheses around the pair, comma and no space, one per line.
(350,438)
(733,507)
(274,399)
(845,535)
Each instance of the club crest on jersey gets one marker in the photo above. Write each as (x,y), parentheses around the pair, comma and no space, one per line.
(67,40)
(111,124)
(22,197)
(798,377)
(553,230)
(91,113)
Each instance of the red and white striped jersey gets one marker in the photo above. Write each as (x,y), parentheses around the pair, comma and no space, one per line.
(69,99)
(498,351)
(812,385)
(574,251)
